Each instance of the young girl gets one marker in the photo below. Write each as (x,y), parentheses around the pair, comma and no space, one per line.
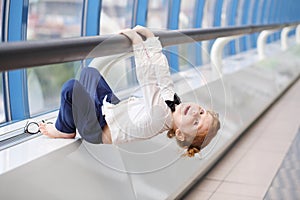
(89,105)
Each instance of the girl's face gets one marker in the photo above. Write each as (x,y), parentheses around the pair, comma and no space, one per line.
(190,118)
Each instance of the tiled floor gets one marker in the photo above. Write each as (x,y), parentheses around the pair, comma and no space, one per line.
(285,184)
(248,169)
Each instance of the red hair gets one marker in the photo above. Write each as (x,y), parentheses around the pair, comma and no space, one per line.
(201,139)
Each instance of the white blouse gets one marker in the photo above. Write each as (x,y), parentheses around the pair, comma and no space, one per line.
(143,118)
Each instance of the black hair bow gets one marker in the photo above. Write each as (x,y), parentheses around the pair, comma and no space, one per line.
(173,103)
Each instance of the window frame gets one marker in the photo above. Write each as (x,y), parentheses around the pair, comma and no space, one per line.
(2,13)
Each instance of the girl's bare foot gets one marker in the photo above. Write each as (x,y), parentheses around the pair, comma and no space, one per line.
(50,131)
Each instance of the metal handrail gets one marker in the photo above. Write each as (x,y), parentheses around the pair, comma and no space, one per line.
(24,54)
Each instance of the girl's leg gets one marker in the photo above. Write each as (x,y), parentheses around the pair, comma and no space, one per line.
(65,122)
(81,103)
(98,88)
(78,111)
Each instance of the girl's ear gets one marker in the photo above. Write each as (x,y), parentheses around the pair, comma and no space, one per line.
(179,135)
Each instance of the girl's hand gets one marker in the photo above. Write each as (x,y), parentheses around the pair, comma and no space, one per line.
(143,31)
(132,35)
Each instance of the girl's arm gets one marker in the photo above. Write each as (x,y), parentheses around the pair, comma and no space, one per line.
(145,72)
(159,62)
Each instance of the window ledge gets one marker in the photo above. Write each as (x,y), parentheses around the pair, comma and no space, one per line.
(30,150)
(23,152)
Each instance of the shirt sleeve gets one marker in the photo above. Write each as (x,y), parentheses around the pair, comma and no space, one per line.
(146,76)
(162,68)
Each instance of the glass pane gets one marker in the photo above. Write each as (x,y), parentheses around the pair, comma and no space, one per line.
(239,22)
(115,15)
(239,17)
(208,14)
(119,73)
(226,12)
(225,21)
(51,19)
(207,22)
(186,16)
(44,85)
(157,14)
(54,19)
(186,20)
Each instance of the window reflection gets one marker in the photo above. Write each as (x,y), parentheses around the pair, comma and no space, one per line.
(115,15)
(49,19)
(157,14)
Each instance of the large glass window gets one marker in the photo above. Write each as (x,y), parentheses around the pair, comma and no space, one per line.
(49,19)
(54,19)
(226,13)
(158,14)
(208,14)
(239,22)
(207,22)
(44,85)
(229,17)
(186,16)
(186,20)
(115,15)
(2,114)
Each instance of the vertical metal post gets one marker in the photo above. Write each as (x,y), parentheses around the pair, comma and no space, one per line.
(298,34)
(261,43)
(216,54)
(284,36)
